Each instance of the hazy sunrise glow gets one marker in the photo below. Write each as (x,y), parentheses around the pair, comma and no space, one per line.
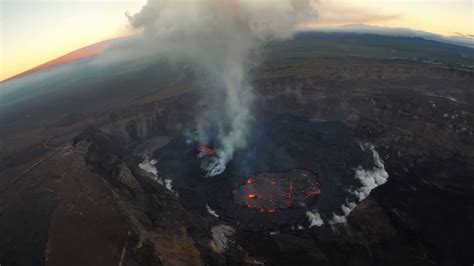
(34,32)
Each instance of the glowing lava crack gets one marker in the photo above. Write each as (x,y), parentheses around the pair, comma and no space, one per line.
(270,192)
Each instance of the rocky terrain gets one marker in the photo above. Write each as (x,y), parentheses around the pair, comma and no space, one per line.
(98,207)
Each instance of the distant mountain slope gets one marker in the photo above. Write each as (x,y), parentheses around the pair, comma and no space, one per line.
(317,44)
(350,40)
(82,53)
(457,38)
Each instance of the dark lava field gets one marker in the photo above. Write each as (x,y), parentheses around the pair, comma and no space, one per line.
(362,153)
(323,149)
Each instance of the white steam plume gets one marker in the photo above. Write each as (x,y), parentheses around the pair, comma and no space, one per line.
(314,218)
(371,178)
(219,39)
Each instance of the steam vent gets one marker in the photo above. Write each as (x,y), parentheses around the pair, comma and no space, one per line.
(287,170)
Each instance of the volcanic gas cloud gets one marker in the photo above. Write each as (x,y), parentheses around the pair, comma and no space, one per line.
(220,41)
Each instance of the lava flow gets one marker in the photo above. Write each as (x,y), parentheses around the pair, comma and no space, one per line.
(269,192)
(205,151)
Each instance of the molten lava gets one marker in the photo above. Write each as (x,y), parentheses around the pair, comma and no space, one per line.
(269,192)
(205,151)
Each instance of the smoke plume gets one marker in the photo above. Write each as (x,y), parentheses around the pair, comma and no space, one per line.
(220,40)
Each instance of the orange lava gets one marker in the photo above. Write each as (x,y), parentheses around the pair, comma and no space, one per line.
(272,192)
(205,150)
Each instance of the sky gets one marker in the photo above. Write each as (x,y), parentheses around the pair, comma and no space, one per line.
(36,31)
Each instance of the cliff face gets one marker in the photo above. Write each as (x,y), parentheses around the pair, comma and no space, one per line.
(383,102)
(415,101)
(422,123)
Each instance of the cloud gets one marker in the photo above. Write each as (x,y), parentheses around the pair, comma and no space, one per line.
(220,41)
(332,13)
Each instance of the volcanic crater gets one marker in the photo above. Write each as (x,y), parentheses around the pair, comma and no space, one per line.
(418,115)
(287,169)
